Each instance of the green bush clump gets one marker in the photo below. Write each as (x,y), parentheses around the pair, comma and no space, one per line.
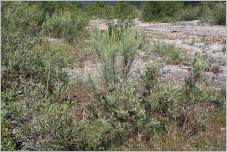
(122,10)
(20,16)
(219,16)
(49,126)
(122,111)
(170,52)
(8,96)
(211,12)
(178,104)
(115,10)
(189,14)
(159,10)
(150,79)
(22,55)
(65,25)
(27,63)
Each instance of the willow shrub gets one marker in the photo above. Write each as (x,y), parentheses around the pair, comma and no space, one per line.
(27,63)
(65,24)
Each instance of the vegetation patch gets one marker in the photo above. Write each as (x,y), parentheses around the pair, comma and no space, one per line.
(42,109)
(169,52)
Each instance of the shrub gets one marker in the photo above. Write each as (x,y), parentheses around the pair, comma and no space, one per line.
(107,47)
(7,143)
(22,55)
(196,74)
(122,110)
(8,97)
(118,26)
(174,103)
(123,10)
(21,16)
(149,79)
(65,25)
(154,11)
(27,64)
(211,12)
(189,14)
(49,126)
(193,97)
(219,16)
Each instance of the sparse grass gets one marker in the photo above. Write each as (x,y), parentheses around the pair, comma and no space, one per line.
(169,52)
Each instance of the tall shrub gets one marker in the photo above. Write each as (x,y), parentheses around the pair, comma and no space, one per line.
(123,112)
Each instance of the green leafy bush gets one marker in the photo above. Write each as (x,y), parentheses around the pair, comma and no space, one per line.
(21,16)
(150,79)
(65,25)
(48,126)
(123,10)
(160,10)
(211,12)
(219,16)
(189,14)
(27,62)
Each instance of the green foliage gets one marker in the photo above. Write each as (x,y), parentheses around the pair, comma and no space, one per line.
(118,26)
(8,97)
(170,52)
(108,46)
(22,56)
(114,10)
(6,143)
(21,17)
(150,79)
(65,25)
(211,12)
(121,109)
(27,63)
(160,10)
(219,16)
(43,110)
(122,10)
(51,127)
(189,14)
(196,74)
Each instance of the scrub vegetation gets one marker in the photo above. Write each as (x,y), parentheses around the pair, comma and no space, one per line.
(43,109)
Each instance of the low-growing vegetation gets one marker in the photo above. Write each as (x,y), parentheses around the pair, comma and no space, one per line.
(43,109)
(170,52)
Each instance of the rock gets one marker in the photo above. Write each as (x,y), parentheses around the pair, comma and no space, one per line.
(175,72)
(216,48)
(49,39)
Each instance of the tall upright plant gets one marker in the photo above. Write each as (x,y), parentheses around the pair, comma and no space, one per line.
(122,111)
(109,48)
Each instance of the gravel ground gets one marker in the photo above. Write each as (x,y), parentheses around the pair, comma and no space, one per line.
(189,37)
